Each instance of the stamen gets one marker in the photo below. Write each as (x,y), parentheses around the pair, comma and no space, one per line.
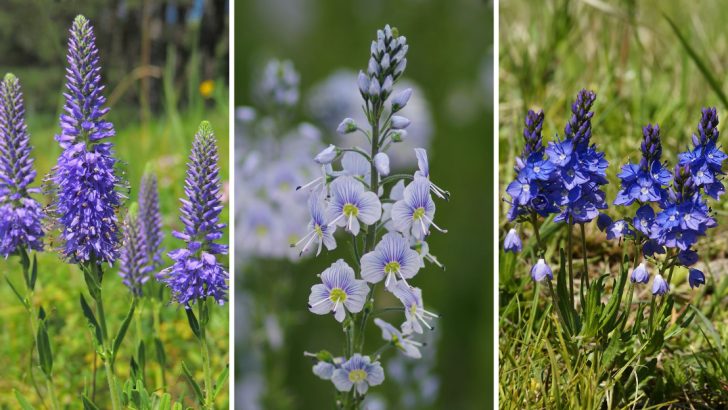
(315,181)
(431,222)
(335,220)
(319,302)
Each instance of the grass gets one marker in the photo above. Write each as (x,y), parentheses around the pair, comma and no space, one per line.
(648,62)
(59,284)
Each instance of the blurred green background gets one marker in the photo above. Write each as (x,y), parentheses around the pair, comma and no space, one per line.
(164,64)
(628,53)
(450,57)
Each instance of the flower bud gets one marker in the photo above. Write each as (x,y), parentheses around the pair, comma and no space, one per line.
(381,162)
(327,155)
(401,99)
(399,122)
(347,126)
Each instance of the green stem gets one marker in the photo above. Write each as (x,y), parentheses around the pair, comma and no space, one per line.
(106,357)
(52,392)
(205,358)
(585,277)
(570,258)
(156,312)
(652,315)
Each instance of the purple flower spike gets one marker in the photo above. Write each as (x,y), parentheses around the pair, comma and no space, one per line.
(150,220)
(196,273)
(86,185)
(579,126)
(134,266)
(20,215)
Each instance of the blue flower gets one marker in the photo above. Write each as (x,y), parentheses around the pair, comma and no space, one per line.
(414,310)
(413,215)
(541,271)
(319,230)
(640,274)
(391,258)
(400,340)
(150,220)
(325,370)
(359,372)
(696,278)
(327,155)
(423,166)
(705,160)
(618,229)
(512,243)
(338,292)
(20,214)
(659,286)
(687,257)
(350,204)
(644,220)
(134,266)
(604,221)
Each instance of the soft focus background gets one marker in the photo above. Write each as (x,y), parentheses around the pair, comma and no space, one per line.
(165,67)
(627,52)
(450,68)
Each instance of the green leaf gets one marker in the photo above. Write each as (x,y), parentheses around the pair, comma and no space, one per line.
(17,294)
(24,404)
(122,331)
(161,356)
(43,344)
(220,381)
(34,272)
(194,324)
(165,402)
(92,282)
(91,320)
(707,73)
(195,387)
(25,263)
(88,404)
(142,358)
(612,350)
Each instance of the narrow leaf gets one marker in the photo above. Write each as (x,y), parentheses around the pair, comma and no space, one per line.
(45,354)
(122,331)
(34,272)
(88,404)
(161,356)
(17,294)
(220,382)
(194,324)
(195,387)
(24,404)
(91,320)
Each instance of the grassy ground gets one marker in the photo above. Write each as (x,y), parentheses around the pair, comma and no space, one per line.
(630,56)
(59,284)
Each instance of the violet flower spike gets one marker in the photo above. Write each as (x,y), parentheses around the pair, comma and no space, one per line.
(196,273)
(20,215)
(150,220)
(134,266)
(84,176)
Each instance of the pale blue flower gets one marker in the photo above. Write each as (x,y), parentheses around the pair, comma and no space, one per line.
(381,162)
(358,371)
(640,274)
(660,286)
(319,230)
(512,243)
(351,204)
(391,258)
(414,310)
(415,212)
(424,171)
(325,370)
(327,155)
(541,271)
(400,340)
(339,292)
(400,100)
(399,122)
(347,126)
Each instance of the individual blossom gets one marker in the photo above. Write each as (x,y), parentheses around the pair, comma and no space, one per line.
(325,370)
(381,162)
(358,372)
(696,278)
(400,340)
(327,155)
(84,177)
(150,220)
(338,292)
(687,257)
(351,204)
(319,230)
(541,271)
(196,273)
(423,171)
(392,259)
(660,286)
(20,215)
(414,213)
(604,221)
(134,266)
(640,274)
(512,243)
(705,160)
(618,229)
(414,311)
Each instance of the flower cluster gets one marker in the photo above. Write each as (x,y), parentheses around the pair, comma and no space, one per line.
(20,214)
(353,197)
(278,86)
(150,220)
(196,273)
(134,266)
(705,160)
(86,184)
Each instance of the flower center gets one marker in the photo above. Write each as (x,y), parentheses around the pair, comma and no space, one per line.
(337,295)
(710,156)
(536,169)
(420,212)
(318,230)
(527,188)
(350,210)
(686,218)
(570,173)
(391,267)
(562,157)
(644,223)
(644,191)
(700,173)
(357,375)
(672,218)
(261,230)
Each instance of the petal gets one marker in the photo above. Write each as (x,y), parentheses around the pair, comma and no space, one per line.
(370,209)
